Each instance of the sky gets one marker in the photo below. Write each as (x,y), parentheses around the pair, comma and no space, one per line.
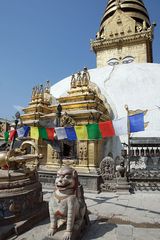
(49,40)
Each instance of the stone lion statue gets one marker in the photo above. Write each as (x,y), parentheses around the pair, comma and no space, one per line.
(67,203)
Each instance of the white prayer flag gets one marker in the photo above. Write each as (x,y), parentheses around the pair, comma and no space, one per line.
(61,133)
(120,126)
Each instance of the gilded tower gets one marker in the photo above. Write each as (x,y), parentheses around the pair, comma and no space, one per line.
(125,34)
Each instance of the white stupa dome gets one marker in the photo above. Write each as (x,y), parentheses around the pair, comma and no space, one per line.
(137,85)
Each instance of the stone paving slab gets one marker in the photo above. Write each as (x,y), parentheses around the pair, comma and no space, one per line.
(113,217)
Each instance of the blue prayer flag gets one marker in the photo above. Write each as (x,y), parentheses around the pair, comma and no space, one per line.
(136,122)
(23,131)
(71,134)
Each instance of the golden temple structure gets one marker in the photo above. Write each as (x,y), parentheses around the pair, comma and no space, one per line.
(82,105)
(125,34)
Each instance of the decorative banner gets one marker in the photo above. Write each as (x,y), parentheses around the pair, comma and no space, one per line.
(93,131)
(11,135)
(107,129)
(61,133)
(136,122)
(71,134)
(50,133)
(23,131)
(43,133)
(81,132)
(120,126)
(34,133)
(6,136)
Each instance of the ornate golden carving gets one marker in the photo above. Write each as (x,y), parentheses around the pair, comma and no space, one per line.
(66,120)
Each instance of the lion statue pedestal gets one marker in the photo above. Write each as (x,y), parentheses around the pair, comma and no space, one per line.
(67,208)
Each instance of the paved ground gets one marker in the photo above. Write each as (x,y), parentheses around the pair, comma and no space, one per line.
(113,217)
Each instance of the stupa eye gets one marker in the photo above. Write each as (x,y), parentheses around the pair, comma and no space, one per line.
(113,61)
(128,59)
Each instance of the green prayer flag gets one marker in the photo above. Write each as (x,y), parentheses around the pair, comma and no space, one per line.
(6,136)
(43,133)
(93,131)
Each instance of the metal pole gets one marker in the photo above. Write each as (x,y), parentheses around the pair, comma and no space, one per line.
(59,113)
(129,146)
(17,115)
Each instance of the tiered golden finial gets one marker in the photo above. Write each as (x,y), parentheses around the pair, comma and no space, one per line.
(37,93)
(47,94)
(41,93)
(81,80)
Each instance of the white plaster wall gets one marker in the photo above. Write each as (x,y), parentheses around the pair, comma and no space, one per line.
(137,85)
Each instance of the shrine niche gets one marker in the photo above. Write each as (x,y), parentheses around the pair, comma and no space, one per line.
(69,150)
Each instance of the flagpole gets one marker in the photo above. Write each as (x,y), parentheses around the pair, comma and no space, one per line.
(129,134)
(59,114)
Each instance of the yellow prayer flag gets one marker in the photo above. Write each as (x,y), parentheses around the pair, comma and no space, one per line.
(34,133)
(81,132)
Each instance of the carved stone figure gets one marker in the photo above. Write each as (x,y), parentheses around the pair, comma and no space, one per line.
(67,203)
(121,169)
(83,152)
(107,168)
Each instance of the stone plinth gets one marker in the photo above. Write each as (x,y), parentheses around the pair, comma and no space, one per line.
(122,186)
(90,181)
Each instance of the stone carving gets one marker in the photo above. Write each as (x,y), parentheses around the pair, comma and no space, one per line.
(107,168)
(83,152)
(107,171)
(55,155)
(121,169)
(67,204)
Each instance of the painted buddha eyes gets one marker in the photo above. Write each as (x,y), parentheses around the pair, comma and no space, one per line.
(113,61)
(125,60)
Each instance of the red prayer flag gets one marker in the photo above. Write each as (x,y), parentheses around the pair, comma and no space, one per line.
(12,133)
(50,133)
(107,129)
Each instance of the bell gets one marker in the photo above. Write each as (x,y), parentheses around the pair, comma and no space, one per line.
(142,152)
(147,152)
(157,152)
(152,152)
(137,152)
(132,152)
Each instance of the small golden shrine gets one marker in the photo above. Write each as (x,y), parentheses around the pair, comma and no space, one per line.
(83,104)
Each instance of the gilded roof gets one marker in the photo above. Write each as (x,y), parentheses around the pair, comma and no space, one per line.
(133,8)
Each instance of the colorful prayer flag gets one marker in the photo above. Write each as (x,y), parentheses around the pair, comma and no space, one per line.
(46,133)
(120,126)
(93,131)
(136,123)
(106,129)
(23,131)
(50,133)
(43,133)
(34,133)
(6,136)
(81,132)
(61,133)
(71,134)
(12,134)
